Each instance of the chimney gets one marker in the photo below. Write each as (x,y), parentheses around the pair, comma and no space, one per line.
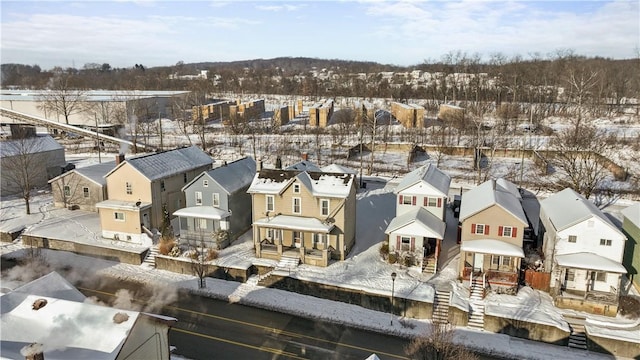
(119,158)
(305,156)
(32,352)
(259,166)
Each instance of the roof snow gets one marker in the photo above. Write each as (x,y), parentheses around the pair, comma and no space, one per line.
(335,168)
(269,181)
(590,261)
(32,145)
(203,212)
(428,174)
(489,193)
(161,165)
(304,166)
(95,172)
(567,208)
(632,213)
(490,246)
(52,285)
(294,223)
(433,226)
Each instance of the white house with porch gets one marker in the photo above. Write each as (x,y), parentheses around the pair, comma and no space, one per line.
(426,187)
(583,251)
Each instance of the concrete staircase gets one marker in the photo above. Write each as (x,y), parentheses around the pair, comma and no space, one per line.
(150,260)
(578,337)
(476,305)
(429,266)
(288,263)
(441,307)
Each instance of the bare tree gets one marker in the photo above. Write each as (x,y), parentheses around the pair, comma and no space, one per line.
(579,152)
(24,166)
(62,98)
(438,344)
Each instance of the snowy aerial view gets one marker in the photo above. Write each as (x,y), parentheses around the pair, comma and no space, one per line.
(209,186)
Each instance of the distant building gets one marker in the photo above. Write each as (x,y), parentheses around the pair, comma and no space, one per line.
(409,115)
(320,113)
(451,113)
(214,111)
(250,110)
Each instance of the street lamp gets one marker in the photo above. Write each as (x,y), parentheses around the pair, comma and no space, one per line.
(393,283)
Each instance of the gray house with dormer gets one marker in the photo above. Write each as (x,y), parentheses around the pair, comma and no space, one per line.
(218,207)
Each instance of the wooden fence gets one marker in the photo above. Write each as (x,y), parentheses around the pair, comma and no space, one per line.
(537,280)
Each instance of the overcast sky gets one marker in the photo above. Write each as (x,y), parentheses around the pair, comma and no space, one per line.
(154,33)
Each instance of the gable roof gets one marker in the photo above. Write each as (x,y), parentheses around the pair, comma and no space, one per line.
(567,208)
(632,213)
(421,216)
(335,168)
(591,261)
(491,193)
(52,285)
(304,166)
(273,181)
(231,177)
(95,173)
(428,174)
(164,164)
(32,145)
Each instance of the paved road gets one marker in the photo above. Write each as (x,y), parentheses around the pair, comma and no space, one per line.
(213,329)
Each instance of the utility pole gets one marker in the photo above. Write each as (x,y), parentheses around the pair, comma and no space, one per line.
(95,117)
(160,126)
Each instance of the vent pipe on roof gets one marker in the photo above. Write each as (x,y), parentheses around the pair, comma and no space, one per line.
(32,352)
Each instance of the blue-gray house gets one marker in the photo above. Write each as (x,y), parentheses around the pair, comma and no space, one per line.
(218,208)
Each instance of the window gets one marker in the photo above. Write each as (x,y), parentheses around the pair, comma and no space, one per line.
(506,261)
(85,192)
(198,198)
(432,201)
(205,183)
(320,239)
(129,188)
(270,203)
(162,188)
(324,207)
(479,229)
(67,190)
(216,199)
(506,231)
(573,238)
(119,216)
(296,205)
(407,200)
(296,188)
(297,238)
(201,224)
(605,242)
(601,276)
(495,260)
(571,275)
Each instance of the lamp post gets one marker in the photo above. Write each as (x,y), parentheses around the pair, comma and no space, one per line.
(393,283)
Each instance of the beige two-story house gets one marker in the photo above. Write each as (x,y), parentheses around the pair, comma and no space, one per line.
(492,226)
(144,191)
(305,216)
(81,188)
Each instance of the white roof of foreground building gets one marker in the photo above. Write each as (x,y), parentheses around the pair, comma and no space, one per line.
(590,261)
(419,222)
(490,246)
(567,208)
(489,193)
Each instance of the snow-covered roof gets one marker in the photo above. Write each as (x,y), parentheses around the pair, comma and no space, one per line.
(491,193)
(95,173)
(66,329)
(335,168)
(231,177)
(123,205)
(567,208)
(32,145)
(590,261)
(294,223)
(428,174)
(161,165)
(203,212)
(433,227)
(632,213)
(304,166)
(491,246)
(270,181)
(52,285)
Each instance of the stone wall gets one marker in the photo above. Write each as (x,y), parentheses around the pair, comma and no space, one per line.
(9,236)
(526,330)
(184,266)
(120,255)
(613,346)
(458,317)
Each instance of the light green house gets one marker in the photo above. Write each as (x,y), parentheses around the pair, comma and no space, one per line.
(631,226)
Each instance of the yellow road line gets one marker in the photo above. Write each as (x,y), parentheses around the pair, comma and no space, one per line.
(263,327)
(259,348)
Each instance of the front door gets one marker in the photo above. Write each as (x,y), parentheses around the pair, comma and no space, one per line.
(478,260)
(145,220)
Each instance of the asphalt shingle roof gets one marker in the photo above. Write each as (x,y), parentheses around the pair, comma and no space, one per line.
(161,165)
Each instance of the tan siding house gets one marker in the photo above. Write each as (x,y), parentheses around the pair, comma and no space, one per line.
(81,188)
(306,216)
(143,190)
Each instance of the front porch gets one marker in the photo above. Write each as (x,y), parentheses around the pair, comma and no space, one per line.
(496,262)
(206,225)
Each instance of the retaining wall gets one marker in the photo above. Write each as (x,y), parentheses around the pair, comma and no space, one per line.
(613,347)
(184,266)
(526,330)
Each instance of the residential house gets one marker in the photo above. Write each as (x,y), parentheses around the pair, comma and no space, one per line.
(50,319)
(492,224)
(303,215)
(583,251)
(81,188)
(416,233)
(144,191)
(631,227)
(218,200)
(304,165)
(29,162)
